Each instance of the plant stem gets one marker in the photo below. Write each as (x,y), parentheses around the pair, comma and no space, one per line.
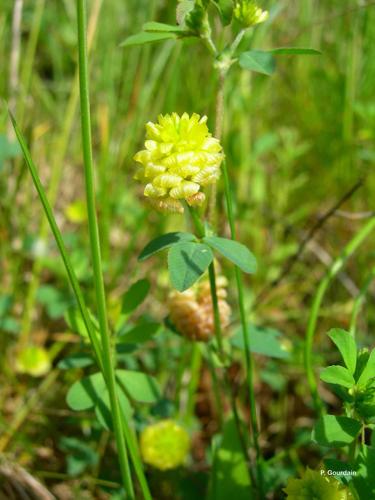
(246,337)
(360,299)
(239,282)
(108,363)
(57,163)
(199,226)
(336,267)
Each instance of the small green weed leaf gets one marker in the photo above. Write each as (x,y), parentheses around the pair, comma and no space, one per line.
(265,341)
(135,296)
(163,27)
(260,61)
(225,8)
(6,302)
(295,51)
(364,480)
(334,432)
(187,262)
(146,37)
(337,375)
(55,301)
(85,393)
(80,455)
(139,333)
(369,370)
(163,242)
(237,253)
(77,360)
(347,347)
(73,319)
(103,408)
(230,475)
(139,386)
(7,149)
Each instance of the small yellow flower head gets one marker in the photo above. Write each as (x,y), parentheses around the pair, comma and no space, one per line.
(317,485)
(248,13)
(181,157)
(164,445)
(33,360)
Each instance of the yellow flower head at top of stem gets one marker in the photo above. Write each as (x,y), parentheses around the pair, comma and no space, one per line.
(181,158)
(248,13)
(164,445)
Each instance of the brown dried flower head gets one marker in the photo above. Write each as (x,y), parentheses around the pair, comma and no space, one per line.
(191,312)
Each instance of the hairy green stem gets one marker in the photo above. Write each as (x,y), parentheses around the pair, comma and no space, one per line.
(335,268)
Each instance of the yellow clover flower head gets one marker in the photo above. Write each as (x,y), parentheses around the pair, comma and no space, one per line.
(181,157)
(317,485)
(248,13)
(164,445)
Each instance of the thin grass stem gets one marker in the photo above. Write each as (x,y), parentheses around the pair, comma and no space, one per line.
(108,363)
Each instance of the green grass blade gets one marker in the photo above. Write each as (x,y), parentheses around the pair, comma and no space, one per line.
(59,240)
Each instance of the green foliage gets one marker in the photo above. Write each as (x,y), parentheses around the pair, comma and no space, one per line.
(138,334)
(139,386)
(334,432)
(147,37)
(163,242)
(316,485)
(347,347)
(225,8)
(55,301)
(295,51)
(230,473)
(234,251)
(75,322)
(8,150)
(368,372)
(187,262)
(259,61)
(264,341)
(134,297)
(79,455)
(337,375)
(77,360)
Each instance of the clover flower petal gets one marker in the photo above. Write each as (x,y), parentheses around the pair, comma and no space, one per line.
(180,158)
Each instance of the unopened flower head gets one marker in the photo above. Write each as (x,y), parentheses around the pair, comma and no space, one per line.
(248,13)
(164,445)
(181,158)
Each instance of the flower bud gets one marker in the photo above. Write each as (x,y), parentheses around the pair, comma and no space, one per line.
(248,13)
